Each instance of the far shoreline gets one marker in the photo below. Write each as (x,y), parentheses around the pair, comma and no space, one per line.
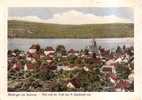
(67,38)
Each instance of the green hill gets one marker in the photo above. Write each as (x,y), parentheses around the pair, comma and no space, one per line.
(23,29)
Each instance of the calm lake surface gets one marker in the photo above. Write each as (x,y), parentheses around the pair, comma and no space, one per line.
(111,43)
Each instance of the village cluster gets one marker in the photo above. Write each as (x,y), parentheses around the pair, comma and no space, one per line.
(58,69)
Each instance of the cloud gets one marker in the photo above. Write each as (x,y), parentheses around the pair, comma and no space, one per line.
(26,18)
(75,17)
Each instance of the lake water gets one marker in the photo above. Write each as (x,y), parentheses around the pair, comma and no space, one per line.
(77,44)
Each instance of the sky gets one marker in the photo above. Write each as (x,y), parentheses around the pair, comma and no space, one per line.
(76,15)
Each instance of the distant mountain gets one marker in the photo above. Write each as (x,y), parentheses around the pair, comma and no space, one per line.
(23,29)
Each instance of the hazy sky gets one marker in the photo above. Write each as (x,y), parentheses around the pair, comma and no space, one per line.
(81,15)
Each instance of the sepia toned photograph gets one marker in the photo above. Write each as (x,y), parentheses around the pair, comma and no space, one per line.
(70,49)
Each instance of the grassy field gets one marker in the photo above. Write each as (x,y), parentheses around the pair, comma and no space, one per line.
(22,29)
